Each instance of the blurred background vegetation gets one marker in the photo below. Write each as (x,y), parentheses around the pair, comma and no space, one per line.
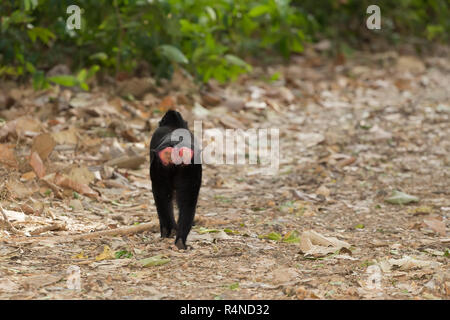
(208,38)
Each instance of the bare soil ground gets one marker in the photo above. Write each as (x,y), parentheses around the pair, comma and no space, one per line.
(351,132)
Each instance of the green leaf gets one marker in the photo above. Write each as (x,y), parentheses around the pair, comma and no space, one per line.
(84,86)
(30,68)
(398,197)
(229,231)
(123,254)
(157,260)
(30,4)
(39,81)
(291,237)
(272,236)
(101,56)
(92,71)
(173,54)
(64,80)
(18,17)
(359,226)
(275,77)
(203,230)
(81,76)
(43,34)
(234,286)
(211,13)
(259,10)
(237,61)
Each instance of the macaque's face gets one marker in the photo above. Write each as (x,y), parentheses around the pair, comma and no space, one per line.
(176,156)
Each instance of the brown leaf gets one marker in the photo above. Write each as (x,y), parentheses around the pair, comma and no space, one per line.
(322,190)
(40,280)
(231,122)
(6,285)
(30,175)
(7,156)
(66,137)
(137,87)
(19,190)
(315,244)
(346,162)
(436,225)
(129,135)
(8,129)
(81,175)
(410,64)
(66,182)
(43,144)
(126,162)
(166,103)
(37,164)
(234,103)
(27,125)
(210,99)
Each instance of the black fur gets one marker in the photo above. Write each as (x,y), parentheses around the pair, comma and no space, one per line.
(183,181)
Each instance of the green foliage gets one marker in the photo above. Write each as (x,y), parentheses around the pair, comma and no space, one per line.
(42,82)
(400,19)
(121,254)
(208,38)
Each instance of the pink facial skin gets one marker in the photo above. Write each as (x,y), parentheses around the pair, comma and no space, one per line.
(176,156)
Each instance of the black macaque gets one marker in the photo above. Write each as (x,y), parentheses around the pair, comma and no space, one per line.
(175,171)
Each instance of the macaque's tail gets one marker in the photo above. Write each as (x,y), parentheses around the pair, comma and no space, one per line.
(173,119)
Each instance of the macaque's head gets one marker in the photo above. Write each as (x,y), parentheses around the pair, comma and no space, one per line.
(175,155)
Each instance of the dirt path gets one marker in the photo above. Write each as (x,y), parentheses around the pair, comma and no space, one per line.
(350,135)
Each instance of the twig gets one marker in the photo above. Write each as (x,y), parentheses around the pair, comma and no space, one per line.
(304,196)
(51,227)
(119,231)
(151,226)
(8,224)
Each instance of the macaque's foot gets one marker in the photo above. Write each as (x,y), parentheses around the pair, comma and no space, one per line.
(180,244)
(168,233)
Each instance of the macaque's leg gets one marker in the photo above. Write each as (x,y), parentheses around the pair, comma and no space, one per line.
(187,185)
(163,194)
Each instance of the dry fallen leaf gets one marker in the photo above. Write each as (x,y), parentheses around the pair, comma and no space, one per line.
(436,225)
(20,190)
(407,263)
(7,285)
(126,162)
(28,126)
(66,182)
(324,191)
(37,164)
(107,254)
(7,156)
(315,244)
(43,144)
(30,175)
(40,280)
(166,103)
(81,175)
(68,136)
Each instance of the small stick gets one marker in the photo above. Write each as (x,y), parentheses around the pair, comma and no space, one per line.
(151,226)
(8,224)
(51,227)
